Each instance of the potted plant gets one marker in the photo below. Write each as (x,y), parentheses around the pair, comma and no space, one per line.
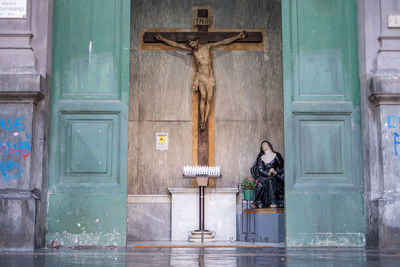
(248,184)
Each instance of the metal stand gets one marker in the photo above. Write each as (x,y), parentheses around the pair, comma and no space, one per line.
(250,216)
(209,235)
(205,235)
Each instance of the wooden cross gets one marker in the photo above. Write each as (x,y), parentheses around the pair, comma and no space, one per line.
(203,141)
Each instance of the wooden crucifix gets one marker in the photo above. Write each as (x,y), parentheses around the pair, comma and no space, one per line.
(201,44)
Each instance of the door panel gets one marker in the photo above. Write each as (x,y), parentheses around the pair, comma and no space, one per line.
(91,49)
(324,189)
(89,123)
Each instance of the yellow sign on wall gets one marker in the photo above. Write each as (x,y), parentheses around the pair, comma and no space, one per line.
(161,141)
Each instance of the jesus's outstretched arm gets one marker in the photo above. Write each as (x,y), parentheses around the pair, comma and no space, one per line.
(172,43)
(229,40)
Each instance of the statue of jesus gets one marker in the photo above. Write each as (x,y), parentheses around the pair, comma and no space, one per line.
(204,79)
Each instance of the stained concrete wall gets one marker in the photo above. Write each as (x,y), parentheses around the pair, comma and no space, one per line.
(379,53)
(248,94)
(24,82)
(160,101)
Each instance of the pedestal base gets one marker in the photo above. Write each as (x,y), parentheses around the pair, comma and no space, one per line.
(220,212)
(195,236)
(269,225)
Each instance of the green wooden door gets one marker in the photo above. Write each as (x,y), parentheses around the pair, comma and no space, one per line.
(324,184)
(89,123)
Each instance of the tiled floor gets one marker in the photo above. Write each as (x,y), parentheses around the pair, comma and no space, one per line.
(210,256)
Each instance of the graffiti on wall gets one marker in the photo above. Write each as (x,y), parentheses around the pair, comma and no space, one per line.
(15,147)
(392,120)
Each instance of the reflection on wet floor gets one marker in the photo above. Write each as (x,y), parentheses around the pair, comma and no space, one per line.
(210,257)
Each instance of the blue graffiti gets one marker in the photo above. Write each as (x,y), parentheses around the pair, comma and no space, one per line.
(391,124)
(7,147)
(396,142)
(389,120)
(9,125)
(10,170)
(21,148)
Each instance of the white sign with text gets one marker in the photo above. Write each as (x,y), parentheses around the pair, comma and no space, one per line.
(394,21)
(13,9)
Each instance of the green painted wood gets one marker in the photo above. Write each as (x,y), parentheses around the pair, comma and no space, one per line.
(323,172)
(89,123)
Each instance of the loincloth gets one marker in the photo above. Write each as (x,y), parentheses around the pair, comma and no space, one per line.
(208,81)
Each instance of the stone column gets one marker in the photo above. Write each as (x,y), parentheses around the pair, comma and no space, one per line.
(380,96)
(24,83)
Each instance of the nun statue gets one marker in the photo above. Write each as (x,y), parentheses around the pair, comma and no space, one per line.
(268,170)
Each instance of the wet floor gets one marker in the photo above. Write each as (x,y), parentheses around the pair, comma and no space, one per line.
(187,257)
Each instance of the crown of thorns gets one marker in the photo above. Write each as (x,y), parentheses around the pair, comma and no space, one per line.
(191,38)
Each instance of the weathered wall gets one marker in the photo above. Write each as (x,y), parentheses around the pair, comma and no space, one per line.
(380,93)
(248,94)
(24,50)
(160,101)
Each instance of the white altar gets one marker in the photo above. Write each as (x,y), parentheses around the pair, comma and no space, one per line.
(220,212)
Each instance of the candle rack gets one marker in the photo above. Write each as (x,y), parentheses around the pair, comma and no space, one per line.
(202,174)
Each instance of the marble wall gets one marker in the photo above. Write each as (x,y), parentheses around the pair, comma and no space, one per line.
(248,94)
(160,101)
